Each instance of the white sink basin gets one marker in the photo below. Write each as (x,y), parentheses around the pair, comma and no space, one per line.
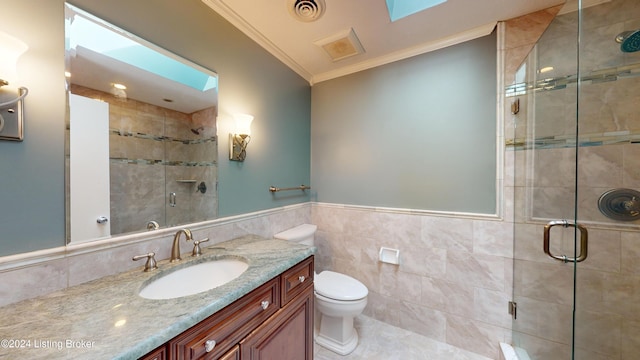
(194,279)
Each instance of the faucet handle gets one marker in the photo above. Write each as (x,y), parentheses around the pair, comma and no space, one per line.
(196,247)
(151,261)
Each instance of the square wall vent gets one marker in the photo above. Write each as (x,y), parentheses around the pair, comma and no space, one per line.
(341,45)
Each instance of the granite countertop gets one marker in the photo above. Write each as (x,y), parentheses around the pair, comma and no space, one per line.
(106,319)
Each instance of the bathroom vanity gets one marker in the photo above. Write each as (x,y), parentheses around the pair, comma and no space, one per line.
(265,313)
(274,321)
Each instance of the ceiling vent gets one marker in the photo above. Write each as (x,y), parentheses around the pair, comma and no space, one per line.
(306,10)
(341,45)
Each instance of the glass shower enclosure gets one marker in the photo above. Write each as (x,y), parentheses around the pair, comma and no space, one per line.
(576,144)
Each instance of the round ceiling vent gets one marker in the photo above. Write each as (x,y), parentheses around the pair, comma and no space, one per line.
(306,10)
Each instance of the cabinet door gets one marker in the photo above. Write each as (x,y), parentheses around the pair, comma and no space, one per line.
(287,335)
(228,326)
(233,354)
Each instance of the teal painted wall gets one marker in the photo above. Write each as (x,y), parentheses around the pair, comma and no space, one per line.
(251,81)
(418,133)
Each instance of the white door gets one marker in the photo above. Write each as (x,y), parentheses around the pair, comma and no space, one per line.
(89,169)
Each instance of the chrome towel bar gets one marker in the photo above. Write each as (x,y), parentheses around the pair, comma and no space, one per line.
(301,187)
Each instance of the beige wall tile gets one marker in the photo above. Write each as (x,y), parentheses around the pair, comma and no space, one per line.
(32,281)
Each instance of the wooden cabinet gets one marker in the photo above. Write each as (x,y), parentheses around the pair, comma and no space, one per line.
(295,280)
(285,336)
(215,335)
(157,354)
(233,354)
(273,322)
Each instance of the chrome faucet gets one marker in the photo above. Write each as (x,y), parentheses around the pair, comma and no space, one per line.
(175,249)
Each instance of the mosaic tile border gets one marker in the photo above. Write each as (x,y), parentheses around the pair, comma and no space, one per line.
(162,138)
(565,141)
(139,135)
(162,162)
(549,84)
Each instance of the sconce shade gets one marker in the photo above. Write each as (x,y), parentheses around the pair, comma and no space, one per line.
(243,124)
(11,104)
(239,140)
(11,49)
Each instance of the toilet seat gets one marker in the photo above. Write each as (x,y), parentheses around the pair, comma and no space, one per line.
(338,286)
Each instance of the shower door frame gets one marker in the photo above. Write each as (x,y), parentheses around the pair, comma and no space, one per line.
(547,244)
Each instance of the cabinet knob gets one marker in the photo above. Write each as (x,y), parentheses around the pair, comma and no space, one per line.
(264,304)
(301,278)
(209,345)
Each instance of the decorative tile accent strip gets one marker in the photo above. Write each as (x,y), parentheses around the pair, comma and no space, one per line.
(547,84)
(564,141)
(162,162)
(162,138)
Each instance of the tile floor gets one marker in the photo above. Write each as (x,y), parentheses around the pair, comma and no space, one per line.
(380,341)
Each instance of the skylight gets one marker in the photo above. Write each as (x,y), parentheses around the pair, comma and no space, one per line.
(100,39)
(403,8)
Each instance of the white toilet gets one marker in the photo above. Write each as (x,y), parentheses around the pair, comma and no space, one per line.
(338,299)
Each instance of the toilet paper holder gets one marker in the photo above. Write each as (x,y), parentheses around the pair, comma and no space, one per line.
(389,256)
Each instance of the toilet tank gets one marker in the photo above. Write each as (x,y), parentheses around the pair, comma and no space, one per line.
(303,234)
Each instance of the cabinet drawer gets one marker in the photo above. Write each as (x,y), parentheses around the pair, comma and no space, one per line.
(296,279)
(229,325)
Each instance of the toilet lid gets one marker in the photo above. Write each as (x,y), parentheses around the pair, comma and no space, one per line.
(339,286)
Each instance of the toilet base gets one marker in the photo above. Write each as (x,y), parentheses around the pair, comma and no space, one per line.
(336,334)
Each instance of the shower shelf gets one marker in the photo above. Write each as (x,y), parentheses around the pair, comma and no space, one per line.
(186,181)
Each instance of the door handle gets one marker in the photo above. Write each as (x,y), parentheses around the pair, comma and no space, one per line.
(584,239)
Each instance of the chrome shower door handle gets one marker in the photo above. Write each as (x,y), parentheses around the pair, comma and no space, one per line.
(584,239)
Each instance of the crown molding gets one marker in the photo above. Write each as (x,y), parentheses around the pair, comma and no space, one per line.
(407,53)
(236,20)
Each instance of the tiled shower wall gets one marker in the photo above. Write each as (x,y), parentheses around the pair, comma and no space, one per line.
(154,152)
(608,111)
(454,280)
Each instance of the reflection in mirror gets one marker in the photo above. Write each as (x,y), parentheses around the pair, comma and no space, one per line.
(142,145)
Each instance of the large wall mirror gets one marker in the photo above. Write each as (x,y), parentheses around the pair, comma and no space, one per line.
(141,140)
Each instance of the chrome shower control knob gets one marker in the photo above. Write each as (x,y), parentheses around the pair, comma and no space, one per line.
(209,345)
(102,220)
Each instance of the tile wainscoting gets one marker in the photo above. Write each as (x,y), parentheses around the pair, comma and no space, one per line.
(41,272)
(453,283)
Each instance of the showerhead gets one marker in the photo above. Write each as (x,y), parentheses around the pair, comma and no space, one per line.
(629,40)
(197,130)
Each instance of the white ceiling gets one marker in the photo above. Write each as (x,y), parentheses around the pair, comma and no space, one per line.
(271,25)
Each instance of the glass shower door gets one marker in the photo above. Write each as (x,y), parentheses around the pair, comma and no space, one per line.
(545,150)
(577,151)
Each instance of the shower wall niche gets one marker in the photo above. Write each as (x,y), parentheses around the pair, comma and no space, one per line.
(162,163)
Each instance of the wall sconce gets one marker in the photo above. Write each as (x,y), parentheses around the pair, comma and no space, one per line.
(239,140)
(11,104)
